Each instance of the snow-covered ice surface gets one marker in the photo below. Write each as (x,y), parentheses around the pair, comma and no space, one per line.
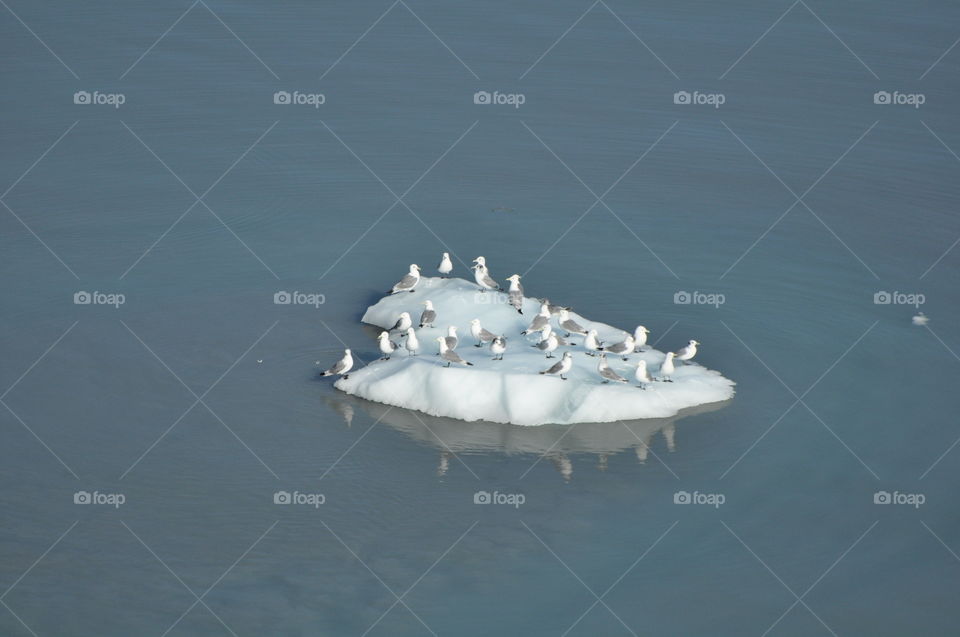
(512,391)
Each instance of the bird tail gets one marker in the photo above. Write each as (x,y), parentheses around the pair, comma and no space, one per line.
(469,363)
(541,373)
(324,374)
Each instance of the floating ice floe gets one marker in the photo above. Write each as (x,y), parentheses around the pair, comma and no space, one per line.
(512,390)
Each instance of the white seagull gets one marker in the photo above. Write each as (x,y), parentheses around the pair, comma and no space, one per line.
(409,281)
(446,266)
(591,344)
(642,375)
(688,351)
(606,373)
(623,348)
(667,368)
(569,324)
(920,319)
(412,344)
(515,293)
(404,322)
(387,346)
(562,367)
(482,276)
(451,338)
(482,335)
(640,338)
(342,366)
(541,320)
(497,347)
(449,355)
(429,315)
(548,342)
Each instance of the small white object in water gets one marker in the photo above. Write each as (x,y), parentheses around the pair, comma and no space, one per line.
(446,266)
(920,319)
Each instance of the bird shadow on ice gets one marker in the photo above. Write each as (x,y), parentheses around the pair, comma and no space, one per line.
(555,442)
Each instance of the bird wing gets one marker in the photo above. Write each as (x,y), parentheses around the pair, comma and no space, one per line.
(337,367)
(407,281)
(452,356)
(451,342)
(486,335)
(538,323)
(488,281)
(428,316)
(572,326)
(609,374)
(555,368)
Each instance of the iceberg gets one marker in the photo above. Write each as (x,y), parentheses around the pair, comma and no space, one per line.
(512,391)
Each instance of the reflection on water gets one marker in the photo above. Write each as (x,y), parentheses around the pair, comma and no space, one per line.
(555,442)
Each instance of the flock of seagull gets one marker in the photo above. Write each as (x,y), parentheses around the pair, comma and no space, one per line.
(550,338)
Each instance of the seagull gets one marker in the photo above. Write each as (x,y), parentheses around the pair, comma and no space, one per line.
(640,338)
(498,346)
(623,348)
(412,344)
(429,314)
(387,346)
(480,333)
(562,367)
(409,281)
(482,276)
(403,323)
(449,355)
(548,342)
(591,344)
(920,319)
(342,366)
(541,320)
(569,324)
(515,293)
(446,266)
(642,375)
(554,309)
(451,339)
(606,373)
(667,368)
(687,352)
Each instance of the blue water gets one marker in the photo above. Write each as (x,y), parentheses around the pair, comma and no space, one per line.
(197,398)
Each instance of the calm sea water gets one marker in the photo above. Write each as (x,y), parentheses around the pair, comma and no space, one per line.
(797,199)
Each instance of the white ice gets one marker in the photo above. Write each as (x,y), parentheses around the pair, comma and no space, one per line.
(512,391)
